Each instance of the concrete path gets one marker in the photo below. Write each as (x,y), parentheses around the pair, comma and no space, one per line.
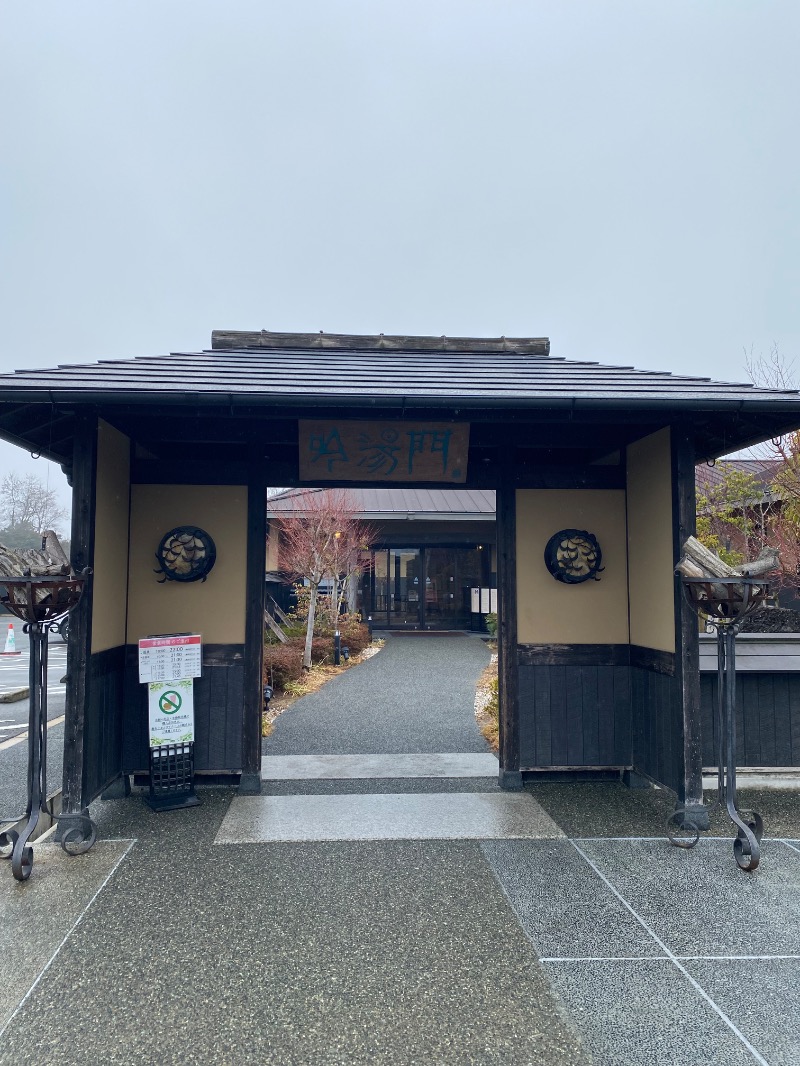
(397,953)
(404,921)
(168,948)
(416,695)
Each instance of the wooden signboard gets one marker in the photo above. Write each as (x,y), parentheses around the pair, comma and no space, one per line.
(383,451)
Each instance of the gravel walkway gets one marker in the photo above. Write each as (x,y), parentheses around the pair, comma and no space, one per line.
(416,695)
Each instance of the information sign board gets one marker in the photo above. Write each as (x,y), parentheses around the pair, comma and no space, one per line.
(171,712)
(166,657)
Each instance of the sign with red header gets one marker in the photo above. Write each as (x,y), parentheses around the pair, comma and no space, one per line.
(170,656)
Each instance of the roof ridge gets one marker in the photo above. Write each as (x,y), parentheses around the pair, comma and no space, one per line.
(226,339)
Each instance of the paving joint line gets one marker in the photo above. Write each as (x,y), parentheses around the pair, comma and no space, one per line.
(68,934)
(651,932)
(665,839)
(664,958)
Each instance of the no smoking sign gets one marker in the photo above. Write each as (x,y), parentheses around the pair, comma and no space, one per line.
(171,707)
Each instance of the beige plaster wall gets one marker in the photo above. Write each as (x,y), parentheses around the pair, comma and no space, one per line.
(215,608)
(110,580)
(650,549)
(550,612)
(273,545)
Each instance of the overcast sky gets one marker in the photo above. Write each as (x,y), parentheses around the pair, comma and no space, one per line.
(619,176)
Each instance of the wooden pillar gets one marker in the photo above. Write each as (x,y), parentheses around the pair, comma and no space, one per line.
(84,469)
(250,782)
(687,641)
(508,670)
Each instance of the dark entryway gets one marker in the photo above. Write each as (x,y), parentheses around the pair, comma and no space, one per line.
(425,587)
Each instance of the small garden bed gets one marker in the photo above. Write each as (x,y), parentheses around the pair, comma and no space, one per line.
(486,702)
(283,663)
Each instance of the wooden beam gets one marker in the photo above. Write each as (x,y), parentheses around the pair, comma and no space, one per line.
(508,669)
(222,339)
(250,782)
(687,640)
(84,470)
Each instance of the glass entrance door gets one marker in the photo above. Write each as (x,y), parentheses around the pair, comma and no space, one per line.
(410,588)
(405,587)
(449,574)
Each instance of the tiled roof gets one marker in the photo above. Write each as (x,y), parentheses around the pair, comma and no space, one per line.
(464,503)
(708,477)
(312,368)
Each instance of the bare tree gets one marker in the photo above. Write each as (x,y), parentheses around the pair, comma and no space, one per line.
(25,501)
(322,539)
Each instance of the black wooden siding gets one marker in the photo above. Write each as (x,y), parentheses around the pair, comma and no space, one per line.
(218,711)
(600,705)
(767,719)
(657,727)
(574,716)
(103,722)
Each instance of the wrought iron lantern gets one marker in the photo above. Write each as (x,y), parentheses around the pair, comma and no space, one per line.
(41,602)
(726,602)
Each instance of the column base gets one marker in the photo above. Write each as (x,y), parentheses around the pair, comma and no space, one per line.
(120,788)
(510,780)
(249,785)
(696,813)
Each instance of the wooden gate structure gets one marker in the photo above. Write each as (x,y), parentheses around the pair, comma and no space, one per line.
(594,472)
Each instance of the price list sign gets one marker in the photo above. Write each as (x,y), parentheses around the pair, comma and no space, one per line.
(169,657)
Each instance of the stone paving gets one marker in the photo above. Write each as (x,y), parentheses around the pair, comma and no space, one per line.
(569,931)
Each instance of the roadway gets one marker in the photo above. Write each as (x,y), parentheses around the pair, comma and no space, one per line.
(14,717)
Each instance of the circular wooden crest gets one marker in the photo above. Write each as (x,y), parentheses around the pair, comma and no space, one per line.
(573,556)
(185,554)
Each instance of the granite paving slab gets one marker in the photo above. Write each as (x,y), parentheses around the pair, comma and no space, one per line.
(300,767)
(587,809)
(36,915)
(723,910)
(415,696)
(644,1013)
(561,903)
(411,816)
(332,954)
(369,785)
(761,996)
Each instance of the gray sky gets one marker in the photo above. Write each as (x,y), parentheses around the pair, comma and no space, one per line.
(619,176)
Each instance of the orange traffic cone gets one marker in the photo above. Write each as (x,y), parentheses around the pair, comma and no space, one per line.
(11,642)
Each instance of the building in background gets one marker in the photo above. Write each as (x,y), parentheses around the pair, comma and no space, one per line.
(432,547)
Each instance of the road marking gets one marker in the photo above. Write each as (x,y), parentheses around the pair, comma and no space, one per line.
(24,736)
(698,988)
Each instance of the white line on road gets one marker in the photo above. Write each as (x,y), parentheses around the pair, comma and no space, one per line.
(24,736)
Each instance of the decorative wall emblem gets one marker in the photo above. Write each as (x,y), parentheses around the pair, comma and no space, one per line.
(185,554)
(573,555)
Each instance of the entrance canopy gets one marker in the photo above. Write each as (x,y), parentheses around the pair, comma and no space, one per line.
(237,401)
(598,663)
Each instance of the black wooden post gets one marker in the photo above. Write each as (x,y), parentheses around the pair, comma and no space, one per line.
(508,669)
(84,469)
(250,781)
(687,639)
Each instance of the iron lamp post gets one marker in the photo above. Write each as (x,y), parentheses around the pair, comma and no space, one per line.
(726,602)
(40,602)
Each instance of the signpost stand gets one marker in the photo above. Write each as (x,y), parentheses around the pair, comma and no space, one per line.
(168,665)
